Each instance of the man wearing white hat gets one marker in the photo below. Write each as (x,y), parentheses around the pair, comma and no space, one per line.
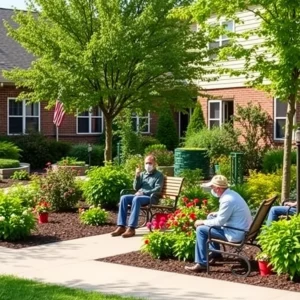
(233,212)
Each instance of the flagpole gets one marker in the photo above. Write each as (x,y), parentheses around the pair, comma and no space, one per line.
(57,133)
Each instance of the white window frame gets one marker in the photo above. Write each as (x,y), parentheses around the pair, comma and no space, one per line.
(220,39)
(138,121)
(90,118)
(23,116)
(220,119)
(275,118)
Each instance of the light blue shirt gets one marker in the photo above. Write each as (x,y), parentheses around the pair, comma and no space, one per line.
(234,212)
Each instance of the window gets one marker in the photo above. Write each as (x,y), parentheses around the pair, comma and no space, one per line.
(222,40)
(280,109)
(90,121)
(141,123)
(219,112)
(23,117)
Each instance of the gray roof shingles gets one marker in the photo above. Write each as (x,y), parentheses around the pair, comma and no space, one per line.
(12,54)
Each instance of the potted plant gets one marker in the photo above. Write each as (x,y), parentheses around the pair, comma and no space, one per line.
(42,209)
(264,265)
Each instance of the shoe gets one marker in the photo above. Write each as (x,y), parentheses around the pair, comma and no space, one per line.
(119,231)
(129,233)
(196,268)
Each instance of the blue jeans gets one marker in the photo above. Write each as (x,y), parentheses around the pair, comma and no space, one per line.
(201,239)
(277,211)
(136,202)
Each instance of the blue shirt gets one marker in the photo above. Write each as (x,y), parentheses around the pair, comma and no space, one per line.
(234,212)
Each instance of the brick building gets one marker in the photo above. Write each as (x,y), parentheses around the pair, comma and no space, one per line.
(18,118)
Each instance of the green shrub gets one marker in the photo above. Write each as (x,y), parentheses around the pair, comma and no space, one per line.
(224,164)
(80,152)
(59,188)
(9,163)
(70,161)
(197,120)
(147,140)
(217,140)
(159,244)
(254,121)
(104,185)
(132,162)
(191,177)
(281,242)
(37,150)
(262,186)
(184,246)
(164,157)
(20,175)
(94,216)
(166,130)
(273,159)
(26,194)
(16,221)
(9,150)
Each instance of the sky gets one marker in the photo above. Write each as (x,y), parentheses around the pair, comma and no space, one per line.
(20,4)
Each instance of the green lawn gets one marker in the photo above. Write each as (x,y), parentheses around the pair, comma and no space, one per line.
(13,288)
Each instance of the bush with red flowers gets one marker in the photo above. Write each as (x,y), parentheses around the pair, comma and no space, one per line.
(181,244)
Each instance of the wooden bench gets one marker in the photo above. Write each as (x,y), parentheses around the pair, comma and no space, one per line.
(171,189)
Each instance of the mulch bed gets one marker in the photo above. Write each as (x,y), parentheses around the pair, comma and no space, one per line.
(220,271)
(61,227)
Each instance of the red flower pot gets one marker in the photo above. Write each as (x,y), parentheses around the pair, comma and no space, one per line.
(265,268)
(43,218)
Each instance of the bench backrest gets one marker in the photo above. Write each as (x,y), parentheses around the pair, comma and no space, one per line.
(259,218)
(172,187)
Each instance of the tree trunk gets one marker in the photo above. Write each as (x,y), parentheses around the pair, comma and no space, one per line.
(108,138)
(286,169)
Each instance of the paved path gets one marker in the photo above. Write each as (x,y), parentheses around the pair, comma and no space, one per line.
(72,263)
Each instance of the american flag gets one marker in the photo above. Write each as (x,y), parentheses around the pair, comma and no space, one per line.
(58,113)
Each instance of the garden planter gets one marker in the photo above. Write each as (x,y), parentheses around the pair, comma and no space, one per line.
(191,159)
(167,170)
(81,170)
(264,268)
(43,218)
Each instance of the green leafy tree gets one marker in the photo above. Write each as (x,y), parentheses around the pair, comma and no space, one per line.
(114,54)
(197,120)
(276,69)
(166,129)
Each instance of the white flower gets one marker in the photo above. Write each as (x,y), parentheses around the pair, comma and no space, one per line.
(25,213)
(13,215)
(2,218)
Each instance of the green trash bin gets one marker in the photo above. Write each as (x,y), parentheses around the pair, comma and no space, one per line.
(193,158)
(236,168)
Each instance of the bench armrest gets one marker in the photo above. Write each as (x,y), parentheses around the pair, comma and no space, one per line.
(127,191)
(229,227)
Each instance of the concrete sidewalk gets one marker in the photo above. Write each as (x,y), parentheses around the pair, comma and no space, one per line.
(72,263)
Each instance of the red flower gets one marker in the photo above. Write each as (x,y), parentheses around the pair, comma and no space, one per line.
(196,201)
(146,242)
(204,202)
(193,216)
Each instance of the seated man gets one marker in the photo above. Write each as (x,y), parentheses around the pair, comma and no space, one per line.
(233,211)
(289,208)
(145,183)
